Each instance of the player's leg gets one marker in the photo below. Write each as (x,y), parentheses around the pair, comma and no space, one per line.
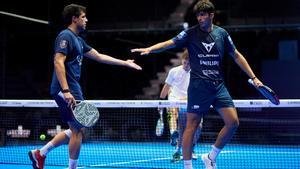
(177,156)
(38,157)
(200,97)
(196,138)
(230,119)
(172,119)
(74,145)
(192,124)
(225,107)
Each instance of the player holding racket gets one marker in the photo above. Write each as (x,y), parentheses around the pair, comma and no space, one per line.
(207,45)
(175,87)
(70,49)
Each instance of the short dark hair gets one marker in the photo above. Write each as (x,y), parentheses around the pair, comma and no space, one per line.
(70,11)
(204,6)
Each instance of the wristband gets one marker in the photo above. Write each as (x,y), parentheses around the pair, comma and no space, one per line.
(65,91)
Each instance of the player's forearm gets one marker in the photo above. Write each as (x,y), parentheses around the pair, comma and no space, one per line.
(159,47)
(111,61)
(243,64)
(164,92)
(102,58)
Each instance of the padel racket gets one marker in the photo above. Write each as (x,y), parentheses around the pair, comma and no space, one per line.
(160,123)
(267,93)
(85,114)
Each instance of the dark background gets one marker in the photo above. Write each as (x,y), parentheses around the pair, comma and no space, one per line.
(115,27)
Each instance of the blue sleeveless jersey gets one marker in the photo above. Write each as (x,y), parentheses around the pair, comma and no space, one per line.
(206,50)
(73,47)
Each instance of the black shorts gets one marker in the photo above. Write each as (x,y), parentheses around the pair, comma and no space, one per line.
(204,93)
(64,109)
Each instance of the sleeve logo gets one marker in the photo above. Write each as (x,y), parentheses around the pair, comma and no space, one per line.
(181,35)
(63,44)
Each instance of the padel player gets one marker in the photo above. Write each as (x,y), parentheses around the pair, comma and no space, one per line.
(175,88)
(206,44)
(69,51)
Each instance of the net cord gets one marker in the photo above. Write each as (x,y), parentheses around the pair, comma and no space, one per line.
(259,103)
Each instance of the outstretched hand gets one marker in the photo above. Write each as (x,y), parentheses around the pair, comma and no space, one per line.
(142,51)
(131,64)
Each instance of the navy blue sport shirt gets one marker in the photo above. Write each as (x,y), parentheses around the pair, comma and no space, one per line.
(206,50)
(74,47)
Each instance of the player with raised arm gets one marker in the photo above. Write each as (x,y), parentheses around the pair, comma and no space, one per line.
(207,45)
(175,88)
(69,51)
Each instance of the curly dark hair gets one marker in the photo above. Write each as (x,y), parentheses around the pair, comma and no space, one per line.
(204,6)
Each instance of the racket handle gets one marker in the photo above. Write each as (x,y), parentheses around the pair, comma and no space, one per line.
(60,94)
(251,82)
(160,111)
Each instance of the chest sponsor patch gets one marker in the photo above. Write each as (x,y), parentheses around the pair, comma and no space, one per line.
(209,46)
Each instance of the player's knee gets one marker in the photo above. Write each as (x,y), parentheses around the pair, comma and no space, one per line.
(191,128)
(234,124)
(68,133)
(75,131)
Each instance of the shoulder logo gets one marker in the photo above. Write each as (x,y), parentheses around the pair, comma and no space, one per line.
(63,44)
(181,35)
(230,40)
(209,46)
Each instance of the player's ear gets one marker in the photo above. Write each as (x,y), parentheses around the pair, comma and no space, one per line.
(211,15)
(74,19)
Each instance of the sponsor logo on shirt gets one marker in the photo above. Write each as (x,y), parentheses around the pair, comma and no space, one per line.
(209,46)
(209,63)
(195,107)
(210,72)
(207,56)
(79,59)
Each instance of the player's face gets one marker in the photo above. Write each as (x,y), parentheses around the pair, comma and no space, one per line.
(81,21)
(204,19)
(186,64)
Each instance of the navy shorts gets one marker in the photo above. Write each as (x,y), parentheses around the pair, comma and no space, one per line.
(64,109)
(204,93)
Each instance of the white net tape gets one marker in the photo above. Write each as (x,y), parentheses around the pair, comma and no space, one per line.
(147,103)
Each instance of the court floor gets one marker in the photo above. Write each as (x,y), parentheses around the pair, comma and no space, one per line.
(147,155)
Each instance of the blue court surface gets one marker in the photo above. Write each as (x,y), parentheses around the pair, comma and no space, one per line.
(137,155)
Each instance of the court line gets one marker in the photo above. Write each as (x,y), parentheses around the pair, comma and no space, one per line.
(129,162)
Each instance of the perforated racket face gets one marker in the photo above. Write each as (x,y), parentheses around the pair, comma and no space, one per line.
(86,114)
(269,94)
